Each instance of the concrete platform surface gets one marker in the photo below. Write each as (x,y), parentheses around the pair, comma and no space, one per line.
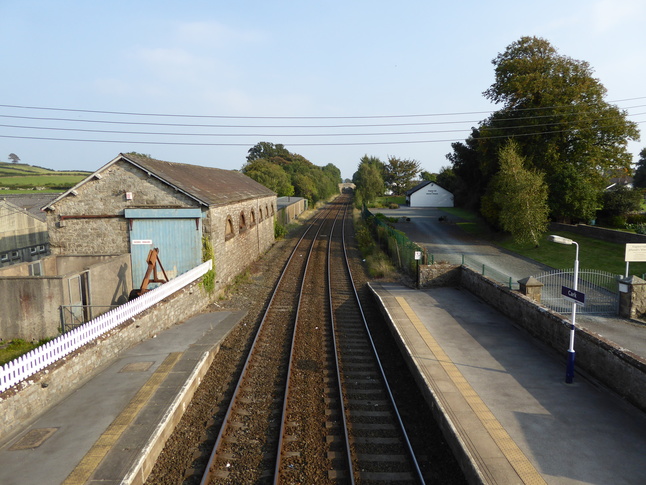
(105,432)
(503,395)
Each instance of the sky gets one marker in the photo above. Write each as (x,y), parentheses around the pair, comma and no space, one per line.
(202,82)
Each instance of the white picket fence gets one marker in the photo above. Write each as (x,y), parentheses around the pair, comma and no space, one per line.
(21,368)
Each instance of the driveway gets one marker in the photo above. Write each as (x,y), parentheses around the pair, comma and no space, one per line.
(447,242)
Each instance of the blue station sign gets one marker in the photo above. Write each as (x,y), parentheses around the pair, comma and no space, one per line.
(573,295)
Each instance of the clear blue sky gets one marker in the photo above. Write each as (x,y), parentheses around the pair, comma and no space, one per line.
(290,72)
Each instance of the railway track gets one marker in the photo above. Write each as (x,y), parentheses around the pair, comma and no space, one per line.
(312,404)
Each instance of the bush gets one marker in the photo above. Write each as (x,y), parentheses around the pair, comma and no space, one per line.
(636,218)
(614,222)
(638,228)
(279,230)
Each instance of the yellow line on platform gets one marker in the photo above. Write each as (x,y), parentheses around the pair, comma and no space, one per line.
(525,469)
(84,470)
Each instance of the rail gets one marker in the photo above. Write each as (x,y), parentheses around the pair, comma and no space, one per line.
(36,360)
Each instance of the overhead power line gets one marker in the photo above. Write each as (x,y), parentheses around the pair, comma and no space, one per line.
(182,115)
(534,128)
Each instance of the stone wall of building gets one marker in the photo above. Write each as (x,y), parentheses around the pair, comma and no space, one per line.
(92,221)
(251,233)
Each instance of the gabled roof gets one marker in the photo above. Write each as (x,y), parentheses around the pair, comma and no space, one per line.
(422,185)
(30,203)
(418,186)
(207,185)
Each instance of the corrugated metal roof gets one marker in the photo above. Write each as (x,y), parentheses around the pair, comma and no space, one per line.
(213,186)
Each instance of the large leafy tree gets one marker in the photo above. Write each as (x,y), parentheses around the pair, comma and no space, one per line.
(519,197)
(401,173)
(368,182)
(290,173)
(270,175)
(639,179)
(267,151)
(555,109)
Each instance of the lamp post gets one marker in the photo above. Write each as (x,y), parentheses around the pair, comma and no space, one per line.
(569,372)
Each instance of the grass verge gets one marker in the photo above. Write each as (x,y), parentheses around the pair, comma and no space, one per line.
(17,347)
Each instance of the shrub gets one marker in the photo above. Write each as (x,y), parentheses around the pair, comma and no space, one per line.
(279,230)
(639,228)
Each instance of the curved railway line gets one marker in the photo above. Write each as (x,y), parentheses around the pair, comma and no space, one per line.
(312,402)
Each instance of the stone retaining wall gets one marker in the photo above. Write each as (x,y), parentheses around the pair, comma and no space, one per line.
(602,233)
(24,402)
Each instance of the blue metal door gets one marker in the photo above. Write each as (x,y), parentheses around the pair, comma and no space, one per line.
(176,232)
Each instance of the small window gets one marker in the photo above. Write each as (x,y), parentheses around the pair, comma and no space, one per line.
(15,255)
(260,210)
(243,222)
(253,217)
(4,258)
(42,248)
(35,269)
(228,231)
(33,250)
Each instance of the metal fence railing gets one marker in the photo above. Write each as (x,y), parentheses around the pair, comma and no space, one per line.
(74,315)
(28,364)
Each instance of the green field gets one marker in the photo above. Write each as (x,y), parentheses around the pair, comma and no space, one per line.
(22,178)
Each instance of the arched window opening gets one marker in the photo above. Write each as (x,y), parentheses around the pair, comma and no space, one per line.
(243,222)
(228,230)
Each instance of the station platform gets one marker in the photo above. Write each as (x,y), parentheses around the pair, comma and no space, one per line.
(502,395)
(106,431)
(498,392)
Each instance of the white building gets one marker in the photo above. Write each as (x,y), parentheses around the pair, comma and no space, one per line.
(429,194)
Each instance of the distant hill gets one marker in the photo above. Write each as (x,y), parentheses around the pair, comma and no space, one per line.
(21,178)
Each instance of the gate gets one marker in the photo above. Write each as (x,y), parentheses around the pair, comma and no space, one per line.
(600,287)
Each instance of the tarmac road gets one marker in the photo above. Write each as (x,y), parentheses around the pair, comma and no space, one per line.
(447,242)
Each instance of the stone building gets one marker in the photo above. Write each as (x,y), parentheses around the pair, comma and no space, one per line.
(135,203)
(23,230)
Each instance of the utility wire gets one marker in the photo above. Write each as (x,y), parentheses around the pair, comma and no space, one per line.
(301,126)
(128,113)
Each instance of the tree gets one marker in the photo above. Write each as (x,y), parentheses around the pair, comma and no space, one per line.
(267,151)
(639,179)
(14,158)
(447,179)
(617,203)
(400,174)
(368,182)
(520,196)
(270,175)
(428,176)
(554,108)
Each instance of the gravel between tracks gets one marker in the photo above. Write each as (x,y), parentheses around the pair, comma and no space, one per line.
(184,457)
